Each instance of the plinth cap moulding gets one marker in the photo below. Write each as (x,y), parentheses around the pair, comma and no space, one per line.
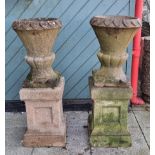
(115,21)
(36,24)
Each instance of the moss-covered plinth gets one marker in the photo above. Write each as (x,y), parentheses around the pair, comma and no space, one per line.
(108,121)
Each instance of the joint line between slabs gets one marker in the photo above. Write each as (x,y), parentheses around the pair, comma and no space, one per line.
(32,151)
(141,130)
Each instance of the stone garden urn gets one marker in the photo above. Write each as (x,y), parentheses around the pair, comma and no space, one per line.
(109,87)
(114,33)
(43,88)
(38,36)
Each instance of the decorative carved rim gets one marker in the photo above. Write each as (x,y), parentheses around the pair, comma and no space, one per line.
(115,21)
(36,24)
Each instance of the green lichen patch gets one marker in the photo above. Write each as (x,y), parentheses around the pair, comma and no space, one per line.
(106,114)
(108,129)
(110,141)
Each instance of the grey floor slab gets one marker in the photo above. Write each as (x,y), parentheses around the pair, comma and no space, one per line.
(132,123)
(143,118)
(14,136)
(76,118)
(15,119)
(77,133)
(50,151)
(77,136)
(146,132)
(18,151)
(139,145)
(139,108)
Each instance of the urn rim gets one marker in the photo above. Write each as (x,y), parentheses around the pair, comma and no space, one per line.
(36,24)
(115,22)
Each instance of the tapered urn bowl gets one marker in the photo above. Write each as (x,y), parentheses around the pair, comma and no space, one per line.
(114,34)
(38,36)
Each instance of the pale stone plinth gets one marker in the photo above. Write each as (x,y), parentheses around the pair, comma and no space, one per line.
(45,122)
(108,121)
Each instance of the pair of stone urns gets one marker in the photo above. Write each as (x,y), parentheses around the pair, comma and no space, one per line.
(43,88)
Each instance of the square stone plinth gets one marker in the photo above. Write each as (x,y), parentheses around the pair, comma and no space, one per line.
(108,121)
(46,125)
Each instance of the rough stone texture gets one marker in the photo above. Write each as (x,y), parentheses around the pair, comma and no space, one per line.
(146,11)
(40,139)
(36,24)
(114,34)
(108,122)
(115,21)
(45,122)
(145,82)
(99,93)
(38,36)
(145,29)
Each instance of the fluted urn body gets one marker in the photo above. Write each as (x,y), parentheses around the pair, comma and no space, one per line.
(38,36)
(114,33)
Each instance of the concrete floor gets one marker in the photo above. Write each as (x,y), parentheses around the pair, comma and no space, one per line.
(77,136)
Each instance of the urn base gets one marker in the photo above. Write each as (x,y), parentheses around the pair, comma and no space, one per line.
(109,77)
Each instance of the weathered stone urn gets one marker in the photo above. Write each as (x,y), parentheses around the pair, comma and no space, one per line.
(114,34)
(43,88)
(109,88)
